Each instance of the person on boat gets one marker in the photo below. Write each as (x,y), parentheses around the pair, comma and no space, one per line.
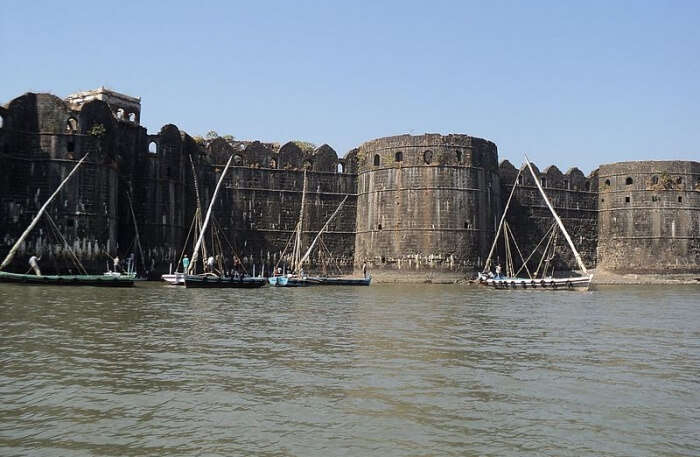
(498,272)
(34,264)
(185,263)
(364,269)
(237,266)
(210,264)
(116,263)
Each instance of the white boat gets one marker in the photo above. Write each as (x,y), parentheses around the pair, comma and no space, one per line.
(175,279)
(534,280)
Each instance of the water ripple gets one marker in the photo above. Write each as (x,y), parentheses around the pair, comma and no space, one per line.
(385,370)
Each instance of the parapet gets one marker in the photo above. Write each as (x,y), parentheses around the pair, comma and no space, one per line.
(431,149)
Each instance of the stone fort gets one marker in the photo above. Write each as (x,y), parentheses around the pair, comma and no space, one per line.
(417,206)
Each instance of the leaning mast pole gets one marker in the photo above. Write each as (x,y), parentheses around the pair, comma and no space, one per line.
(487,265)
(556,218)
(195,254)
(13,251)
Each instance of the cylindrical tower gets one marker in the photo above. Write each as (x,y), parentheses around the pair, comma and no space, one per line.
(426,203)
(649,219)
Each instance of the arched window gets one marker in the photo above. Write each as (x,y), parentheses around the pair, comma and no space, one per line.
(376,160)
(398,157)
(565,184)
(237,160)
(679,180)
(132,117)
(654,179)
(607,183)
(520,179)
(428,156)
(544,182)
(587,186)
(459,156)
(341,167)
(71,124)
(628,181)
(273,163)
(120,113)
(153,147)
(379,227)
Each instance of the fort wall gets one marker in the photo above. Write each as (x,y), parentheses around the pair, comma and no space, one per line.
(426,203)
(420,205)
(574,198)
(649,218)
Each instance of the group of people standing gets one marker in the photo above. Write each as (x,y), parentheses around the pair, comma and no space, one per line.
(210,266)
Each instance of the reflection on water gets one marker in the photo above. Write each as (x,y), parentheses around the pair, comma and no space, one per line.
(383,370)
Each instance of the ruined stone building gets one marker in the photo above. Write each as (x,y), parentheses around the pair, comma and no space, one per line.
(417,205)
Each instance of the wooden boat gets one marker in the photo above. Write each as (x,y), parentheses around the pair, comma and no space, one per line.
(570,283)
(67,280)
(215,281)
(175,279)
(211,280)
(105,280)
(178,278)
(298,278)
(280,281)
(339,281)
(511,280)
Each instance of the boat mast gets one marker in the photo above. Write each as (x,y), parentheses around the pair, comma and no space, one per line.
(323,229)
(136,228)
(300,225)
(198,212)
(195,254)
(556,218)
(13,251)
(487,265)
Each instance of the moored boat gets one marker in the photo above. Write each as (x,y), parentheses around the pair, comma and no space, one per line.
(105,280)
(567,283)
(545,281)
(68,280)
(175,279)
(339,281)
(231,282)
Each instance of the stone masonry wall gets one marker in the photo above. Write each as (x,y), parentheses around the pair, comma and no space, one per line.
(574,197)
(649,220)
(426,203)
(415,204)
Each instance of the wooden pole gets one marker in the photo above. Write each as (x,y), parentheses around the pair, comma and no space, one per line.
(195,254)
(556,218)
(297,262)
(500,224)
(313,243)
(13,251)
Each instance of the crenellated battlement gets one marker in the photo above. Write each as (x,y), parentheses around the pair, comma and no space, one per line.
(418,204)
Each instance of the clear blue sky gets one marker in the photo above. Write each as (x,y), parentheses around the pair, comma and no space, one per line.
(570,83)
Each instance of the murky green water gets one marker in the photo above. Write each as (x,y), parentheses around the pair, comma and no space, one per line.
(384,370)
